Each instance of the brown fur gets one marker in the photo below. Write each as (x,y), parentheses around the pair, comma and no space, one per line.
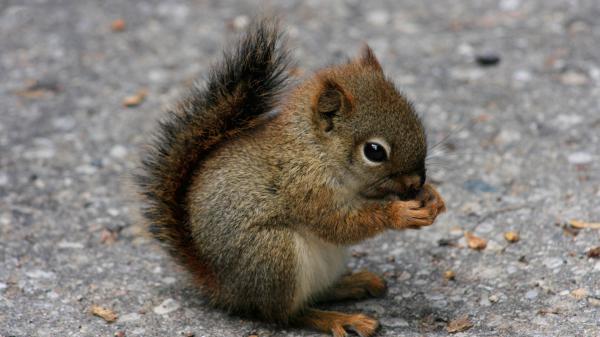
(229,186)
(356,286)
(338,323)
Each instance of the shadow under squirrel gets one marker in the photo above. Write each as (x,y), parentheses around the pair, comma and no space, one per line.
(258,196)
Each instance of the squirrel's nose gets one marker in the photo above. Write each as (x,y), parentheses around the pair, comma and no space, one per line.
(412,182)
(408,185)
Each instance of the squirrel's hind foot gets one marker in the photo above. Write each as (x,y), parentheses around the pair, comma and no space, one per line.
(337,323)
(357,286)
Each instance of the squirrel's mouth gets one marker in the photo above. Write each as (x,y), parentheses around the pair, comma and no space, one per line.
(392,193)
(400,187)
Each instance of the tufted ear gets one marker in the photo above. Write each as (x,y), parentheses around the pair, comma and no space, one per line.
(330,101)
(367,58)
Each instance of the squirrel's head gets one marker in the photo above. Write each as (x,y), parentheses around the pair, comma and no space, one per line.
(366,123)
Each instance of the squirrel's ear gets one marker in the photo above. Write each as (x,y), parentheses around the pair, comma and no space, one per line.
(329,102)
(367,58)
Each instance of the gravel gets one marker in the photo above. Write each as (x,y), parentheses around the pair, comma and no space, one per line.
(519,149)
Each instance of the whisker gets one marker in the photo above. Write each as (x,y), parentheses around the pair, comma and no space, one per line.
(472,122)
(376,184)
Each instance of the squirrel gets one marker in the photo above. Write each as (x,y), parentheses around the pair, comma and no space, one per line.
(259,194)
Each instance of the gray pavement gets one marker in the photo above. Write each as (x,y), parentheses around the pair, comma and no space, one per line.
(523,154)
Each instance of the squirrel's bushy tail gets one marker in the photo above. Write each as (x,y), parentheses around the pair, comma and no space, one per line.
(239,90)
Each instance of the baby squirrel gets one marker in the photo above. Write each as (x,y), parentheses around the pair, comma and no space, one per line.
(258,196)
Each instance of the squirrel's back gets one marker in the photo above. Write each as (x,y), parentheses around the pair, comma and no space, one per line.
(239,93)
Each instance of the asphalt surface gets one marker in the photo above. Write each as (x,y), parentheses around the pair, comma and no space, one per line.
(510,88)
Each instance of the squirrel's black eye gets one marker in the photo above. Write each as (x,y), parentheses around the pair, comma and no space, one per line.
(375,152)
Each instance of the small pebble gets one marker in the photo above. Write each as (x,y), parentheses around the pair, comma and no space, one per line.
(376,308)
(494,246)
(485,301)
(567,120)
(552,262)
(404,275)
(64,123)
(477,185)
(394,322)
(70,245)
(358,254)
(487,59)
(594,253)
(136,99)
(378,17)
(113,211)
(511,236)
(522,76)
(169,280)
(579,293)
(531,294)
(465,49)
(37,273)
(118,151)
(475,242)
(493,298)
(139,331)
(467,75)
(580,158)
(134,316)
(240,22)
(118,25)
(449,275)
(573,78)
(506,136)
(594,301)
(167,306)
(509,5)
(86,169)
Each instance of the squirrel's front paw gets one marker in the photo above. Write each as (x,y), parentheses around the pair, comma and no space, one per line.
(419,212)
(411,214)
(430,196)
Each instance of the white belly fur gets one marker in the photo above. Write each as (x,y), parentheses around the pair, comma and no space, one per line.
(319,265)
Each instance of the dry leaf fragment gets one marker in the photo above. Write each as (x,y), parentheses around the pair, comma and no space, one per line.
(546,311)
(594,253)
(449,275)
(39,88)
(356,253)
(579,293)
(118,25)
(475,242)
(460,324)
(569,230)
(135,100)
(108,237)
(104,313)
(511,236)
(582,224)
